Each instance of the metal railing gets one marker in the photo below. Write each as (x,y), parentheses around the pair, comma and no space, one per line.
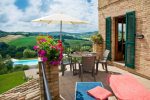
(45,83)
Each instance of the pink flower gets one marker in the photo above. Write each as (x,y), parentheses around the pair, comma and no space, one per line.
(36,47)
(60,57)
(44,59)
(53,47)
(42,53)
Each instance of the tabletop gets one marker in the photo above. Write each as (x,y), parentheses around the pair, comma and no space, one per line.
(81,54)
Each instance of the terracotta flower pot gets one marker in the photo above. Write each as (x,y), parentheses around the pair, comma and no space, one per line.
(52,75)
(98,48)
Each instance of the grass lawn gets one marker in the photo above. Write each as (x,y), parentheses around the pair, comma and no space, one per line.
(8,81)
(24,41)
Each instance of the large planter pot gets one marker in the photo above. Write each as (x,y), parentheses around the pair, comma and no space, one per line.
(98,48)
(52,75)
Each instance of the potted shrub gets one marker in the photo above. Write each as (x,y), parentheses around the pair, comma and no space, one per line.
(97,45)
(51,53)
(97,39)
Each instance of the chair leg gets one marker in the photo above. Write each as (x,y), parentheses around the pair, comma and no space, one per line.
(96,68)
(74,69)
(73,66)
(94,78)
(70,67)
(63,69)
(106,67)
(81,73)
(103,65)
(93,74)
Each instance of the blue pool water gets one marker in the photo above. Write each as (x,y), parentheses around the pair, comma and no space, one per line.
(26,62)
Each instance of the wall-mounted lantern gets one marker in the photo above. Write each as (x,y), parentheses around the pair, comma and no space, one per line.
(139,36)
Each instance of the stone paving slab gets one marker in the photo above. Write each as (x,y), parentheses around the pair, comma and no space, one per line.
(32,73)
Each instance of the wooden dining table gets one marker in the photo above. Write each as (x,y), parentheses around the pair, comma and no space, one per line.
(79,55)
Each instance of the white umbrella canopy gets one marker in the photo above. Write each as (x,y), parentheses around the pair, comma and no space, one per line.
(60,18)
(57,18)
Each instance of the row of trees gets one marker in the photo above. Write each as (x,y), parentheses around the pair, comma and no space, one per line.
(20,52)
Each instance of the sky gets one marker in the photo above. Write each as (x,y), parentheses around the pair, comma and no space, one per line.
(16,15)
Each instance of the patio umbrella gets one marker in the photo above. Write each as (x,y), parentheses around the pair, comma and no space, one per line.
(61,19)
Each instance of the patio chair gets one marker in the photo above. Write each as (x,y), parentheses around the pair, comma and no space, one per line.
(103,61)
(87,65)
(67,60)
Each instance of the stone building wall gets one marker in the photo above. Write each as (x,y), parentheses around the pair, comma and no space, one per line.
(114,8)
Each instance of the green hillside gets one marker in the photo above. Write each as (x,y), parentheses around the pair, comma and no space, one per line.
(24,42)
(8,81)
(77,42)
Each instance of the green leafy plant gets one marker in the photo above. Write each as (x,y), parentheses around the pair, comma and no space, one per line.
(49,49)
(97,39)
(25,67)
(18,67)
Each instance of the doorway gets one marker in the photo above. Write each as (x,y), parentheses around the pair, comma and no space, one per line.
(120,38)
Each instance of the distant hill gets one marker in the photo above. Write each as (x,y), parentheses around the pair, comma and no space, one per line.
(3,34)
(56,34)
(9,38)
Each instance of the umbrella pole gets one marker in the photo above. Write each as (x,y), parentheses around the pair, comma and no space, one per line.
(60,30)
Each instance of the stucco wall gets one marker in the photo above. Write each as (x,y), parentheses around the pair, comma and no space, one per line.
(114,8)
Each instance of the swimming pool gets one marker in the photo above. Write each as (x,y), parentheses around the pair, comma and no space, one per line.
(25,62)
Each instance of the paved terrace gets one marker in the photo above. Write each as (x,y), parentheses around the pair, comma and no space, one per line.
(30,90)
(68,81)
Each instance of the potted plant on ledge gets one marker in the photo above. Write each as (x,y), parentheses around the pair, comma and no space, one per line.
(51,53)
(97,45)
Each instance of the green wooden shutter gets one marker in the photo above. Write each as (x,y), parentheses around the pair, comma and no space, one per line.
(108,36)
(130,39)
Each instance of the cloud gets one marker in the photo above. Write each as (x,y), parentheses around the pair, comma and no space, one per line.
(13,18)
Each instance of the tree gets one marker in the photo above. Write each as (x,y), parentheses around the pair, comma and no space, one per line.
(28,53)
(8,56)
(20,49)
(9,65)
(11,50)
(1,57)
(3,48)
(3,69)
(19,55)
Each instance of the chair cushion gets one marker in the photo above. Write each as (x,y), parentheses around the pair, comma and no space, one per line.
(99,93)
(102,61)
(126,87)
